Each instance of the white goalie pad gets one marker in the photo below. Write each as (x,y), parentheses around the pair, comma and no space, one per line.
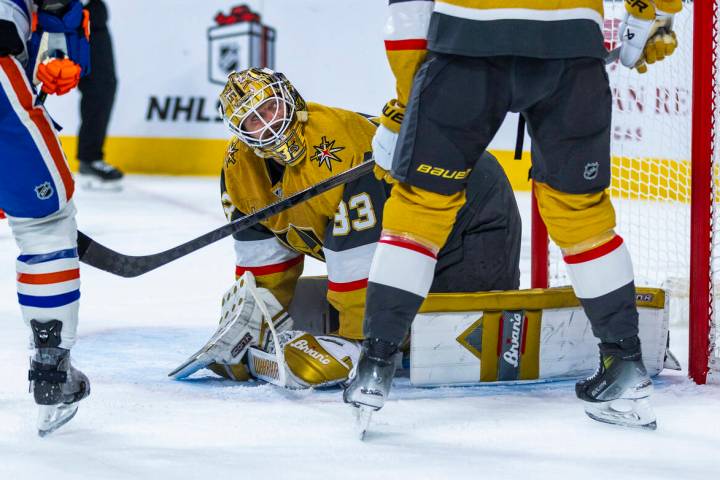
(516,336)
(250,316)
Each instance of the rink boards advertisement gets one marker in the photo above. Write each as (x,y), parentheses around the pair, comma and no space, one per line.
(170,73)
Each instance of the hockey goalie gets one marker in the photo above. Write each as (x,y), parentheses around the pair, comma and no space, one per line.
(302,333)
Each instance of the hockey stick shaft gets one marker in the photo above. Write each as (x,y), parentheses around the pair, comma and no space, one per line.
(128,266)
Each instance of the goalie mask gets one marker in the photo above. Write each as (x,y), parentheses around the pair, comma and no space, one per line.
(263,109)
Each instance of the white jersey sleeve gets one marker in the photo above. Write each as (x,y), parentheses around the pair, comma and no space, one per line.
(19,13)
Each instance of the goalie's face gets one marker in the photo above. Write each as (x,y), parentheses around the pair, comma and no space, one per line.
(257,107)
(267,121)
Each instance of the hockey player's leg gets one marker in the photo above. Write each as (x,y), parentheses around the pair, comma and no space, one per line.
(37,199)
(400,277)
(97,97)
(570,127)
(601,272)
(49,292)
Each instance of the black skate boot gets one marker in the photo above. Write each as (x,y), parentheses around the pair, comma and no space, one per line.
(56,385)
(618,392)
(370,385)
(99,175)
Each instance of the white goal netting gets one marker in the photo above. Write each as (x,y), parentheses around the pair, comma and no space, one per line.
(652,151)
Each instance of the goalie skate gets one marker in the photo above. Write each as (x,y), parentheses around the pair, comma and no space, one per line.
(618,393)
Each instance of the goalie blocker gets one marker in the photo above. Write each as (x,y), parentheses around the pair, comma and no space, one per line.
(457,338)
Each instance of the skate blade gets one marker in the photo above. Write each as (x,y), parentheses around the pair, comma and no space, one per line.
(52,417)
(91,183)
(363,416)
(624,413)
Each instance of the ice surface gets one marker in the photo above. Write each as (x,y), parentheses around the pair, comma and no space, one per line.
(139,424)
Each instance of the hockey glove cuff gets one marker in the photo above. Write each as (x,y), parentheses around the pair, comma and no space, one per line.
(60,36)
(647,32)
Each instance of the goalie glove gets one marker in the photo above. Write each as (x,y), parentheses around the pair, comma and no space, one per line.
(310,361)
(647,32)
(244,323)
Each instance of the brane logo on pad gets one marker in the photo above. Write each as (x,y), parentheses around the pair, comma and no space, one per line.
(513,326)
(303,346)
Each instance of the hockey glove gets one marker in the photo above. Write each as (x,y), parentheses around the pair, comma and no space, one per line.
(58,75)
(383,143)
(10,41)
(647,32)
(57,44)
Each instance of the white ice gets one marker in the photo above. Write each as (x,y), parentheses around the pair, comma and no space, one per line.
(138,424)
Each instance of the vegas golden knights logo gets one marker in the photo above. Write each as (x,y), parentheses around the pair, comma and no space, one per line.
(303,240)
(238,41)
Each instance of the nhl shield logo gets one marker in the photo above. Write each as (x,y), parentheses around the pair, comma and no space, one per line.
(591,171)
(229,58)
(238,41)
(44,191)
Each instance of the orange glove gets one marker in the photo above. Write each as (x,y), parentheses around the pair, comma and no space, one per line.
(58,75)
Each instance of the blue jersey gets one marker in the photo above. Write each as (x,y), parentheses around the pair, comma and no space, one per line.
(40,182)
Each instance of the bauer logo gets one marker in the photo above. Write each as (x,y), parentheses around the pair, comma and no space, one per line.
(237,41)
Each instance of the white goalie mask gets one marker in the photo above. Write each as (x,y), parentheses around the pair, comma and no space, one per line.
(263,109)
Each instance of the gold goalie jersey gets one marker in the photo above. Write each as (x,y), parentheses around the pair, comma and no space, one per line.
(339,227)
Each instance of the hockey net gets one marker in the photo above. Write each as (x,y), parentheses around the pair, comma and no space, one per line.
(667,212)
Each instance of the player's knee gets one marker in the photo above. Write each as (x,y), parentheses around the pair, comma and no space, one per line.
(575,219)
(56,231)
(407,203)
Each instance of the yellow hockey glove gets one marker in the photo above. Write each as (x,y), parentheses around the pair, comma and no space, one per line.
(383,143)
(647,32)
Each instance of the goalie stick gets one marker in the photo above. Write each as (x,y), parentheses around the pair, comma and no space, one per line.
(99,256)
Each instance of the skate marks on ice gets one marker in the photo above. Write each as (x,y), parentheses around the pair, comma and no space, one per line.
(424,432)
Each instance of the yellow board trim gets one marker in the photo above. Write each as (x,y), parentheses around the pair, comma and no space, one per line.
(533,299)
(158,156)
(530,359)
(489,360)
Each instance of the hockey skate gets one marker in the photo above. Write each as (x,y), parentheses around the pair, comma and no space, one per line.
(370,384)
(618,392)
(56,385)
(99,175)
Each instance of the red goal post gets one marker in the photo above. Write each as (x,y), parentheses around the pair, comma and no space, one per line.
(666,186)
